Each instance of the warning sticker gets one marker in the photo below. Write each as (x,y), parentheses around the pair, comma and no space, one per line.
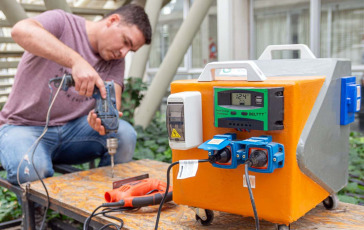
(215,141)
(187,168)
(175,134)
(251,179)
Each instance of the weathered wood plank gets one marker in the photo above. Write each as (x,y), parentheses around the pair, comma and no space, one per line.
(83,191)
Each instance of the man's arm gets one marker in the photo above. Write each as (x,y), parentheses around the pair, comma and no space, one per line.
(95,122)
(32,36)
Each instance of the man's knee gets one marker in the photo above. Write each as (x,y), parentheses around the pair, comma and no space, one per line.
(126,133)
(127,140)
(26,172)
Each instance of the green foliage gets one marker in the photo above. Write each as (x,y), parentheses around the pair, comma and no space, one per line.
(131,97)
(354,191)
(9,207)
(152,142)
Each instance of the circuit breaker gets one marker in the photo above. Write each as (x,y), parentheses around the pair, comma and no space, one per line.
(184,120)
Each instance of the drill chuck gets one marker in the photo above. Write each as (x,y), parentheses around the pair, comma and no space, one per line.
(112,145)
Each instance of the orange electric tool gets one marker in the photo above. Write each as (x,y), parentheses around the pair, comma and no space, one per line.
(138,193)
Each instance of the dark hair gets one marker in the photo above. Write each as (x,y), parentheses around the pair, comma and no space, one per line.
(135,15)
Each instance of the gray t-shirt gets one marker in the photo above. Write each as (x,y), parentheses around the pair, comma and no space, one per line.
(28,102)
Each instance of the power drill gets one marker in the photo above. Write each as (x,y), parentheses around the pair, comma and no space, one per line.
(105,110)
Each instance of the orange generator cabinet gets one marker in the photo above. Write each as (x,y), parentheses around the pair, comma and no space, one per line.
(303,105)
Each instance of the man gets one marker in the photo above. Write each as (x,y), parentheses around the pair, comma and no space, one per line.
(58,43)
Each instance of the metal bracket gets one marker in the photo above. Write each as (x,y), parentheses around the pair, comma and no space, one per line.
(200,212)
(119,183)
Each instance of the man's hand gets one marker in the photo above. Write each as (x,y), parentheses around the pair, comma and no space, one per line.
(95,122)
(86,78)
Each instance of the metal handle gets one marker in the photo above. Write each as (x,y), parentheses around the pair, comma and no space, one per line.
(305,52)
(253,71)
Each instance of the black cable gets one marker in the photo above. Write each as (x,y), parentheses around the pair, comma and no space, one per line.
(112,224)
(88,219)
(166,192)
(108,225)
(50,105)
(251,195)
(45,188)
(104,212)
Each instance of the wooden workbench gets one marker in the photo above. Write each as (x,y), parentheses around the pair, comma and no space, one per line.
(81,192)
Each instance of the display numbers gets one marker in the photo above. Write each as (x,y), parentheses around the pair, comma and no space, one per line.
(241,99)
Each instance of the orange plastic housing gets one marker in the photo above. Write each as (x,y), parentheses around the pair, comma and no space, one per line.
(280,197)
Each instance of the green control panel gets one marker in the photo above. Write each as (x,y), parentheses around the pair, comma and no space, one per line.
(249,108)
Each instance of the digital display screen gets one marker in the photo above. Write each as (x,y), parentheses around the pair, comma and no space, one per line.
(241,99)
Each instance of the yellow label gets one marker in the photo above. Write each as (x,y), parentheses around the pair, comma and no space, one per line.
(175,134)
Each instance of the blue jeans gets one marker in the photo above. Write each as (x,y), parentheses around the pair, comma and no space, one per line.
(73,143)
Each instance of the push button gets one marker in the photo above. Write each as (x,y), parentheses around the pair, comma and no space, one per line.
(258,99)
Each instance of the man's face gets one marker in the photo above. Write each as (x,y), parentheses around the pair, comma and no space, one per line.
(118,39)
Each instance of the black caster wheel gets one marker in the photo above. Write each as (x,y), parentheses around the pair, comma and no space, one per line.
(331,202)
(283,227)
(209,219)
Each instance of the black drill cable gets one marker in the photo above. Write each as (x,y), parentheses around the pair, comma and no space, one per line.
(51,102)
(112,224)
(104,212)
(251,196)
(108,225)
(45,188)
(166,192)
(88,219)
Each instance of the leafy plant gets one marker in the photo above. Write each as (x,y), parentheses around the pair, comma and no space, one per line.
(152,142)
(354,191)
(131,97)
(9,207)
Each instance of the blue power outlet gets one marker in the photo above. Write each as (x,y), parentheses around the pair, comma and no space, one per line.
(240,151)
(350,100)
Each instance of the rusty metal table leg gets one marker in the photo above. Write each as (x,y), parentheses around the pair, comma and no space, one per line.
(28,210)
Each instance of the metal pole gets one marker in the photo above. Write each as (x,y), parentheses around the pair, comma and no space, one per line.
(140,58)
(173,58)
(57,4)
(253,45)
(13,11)
(225,28)
(315,21)
(329,31)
